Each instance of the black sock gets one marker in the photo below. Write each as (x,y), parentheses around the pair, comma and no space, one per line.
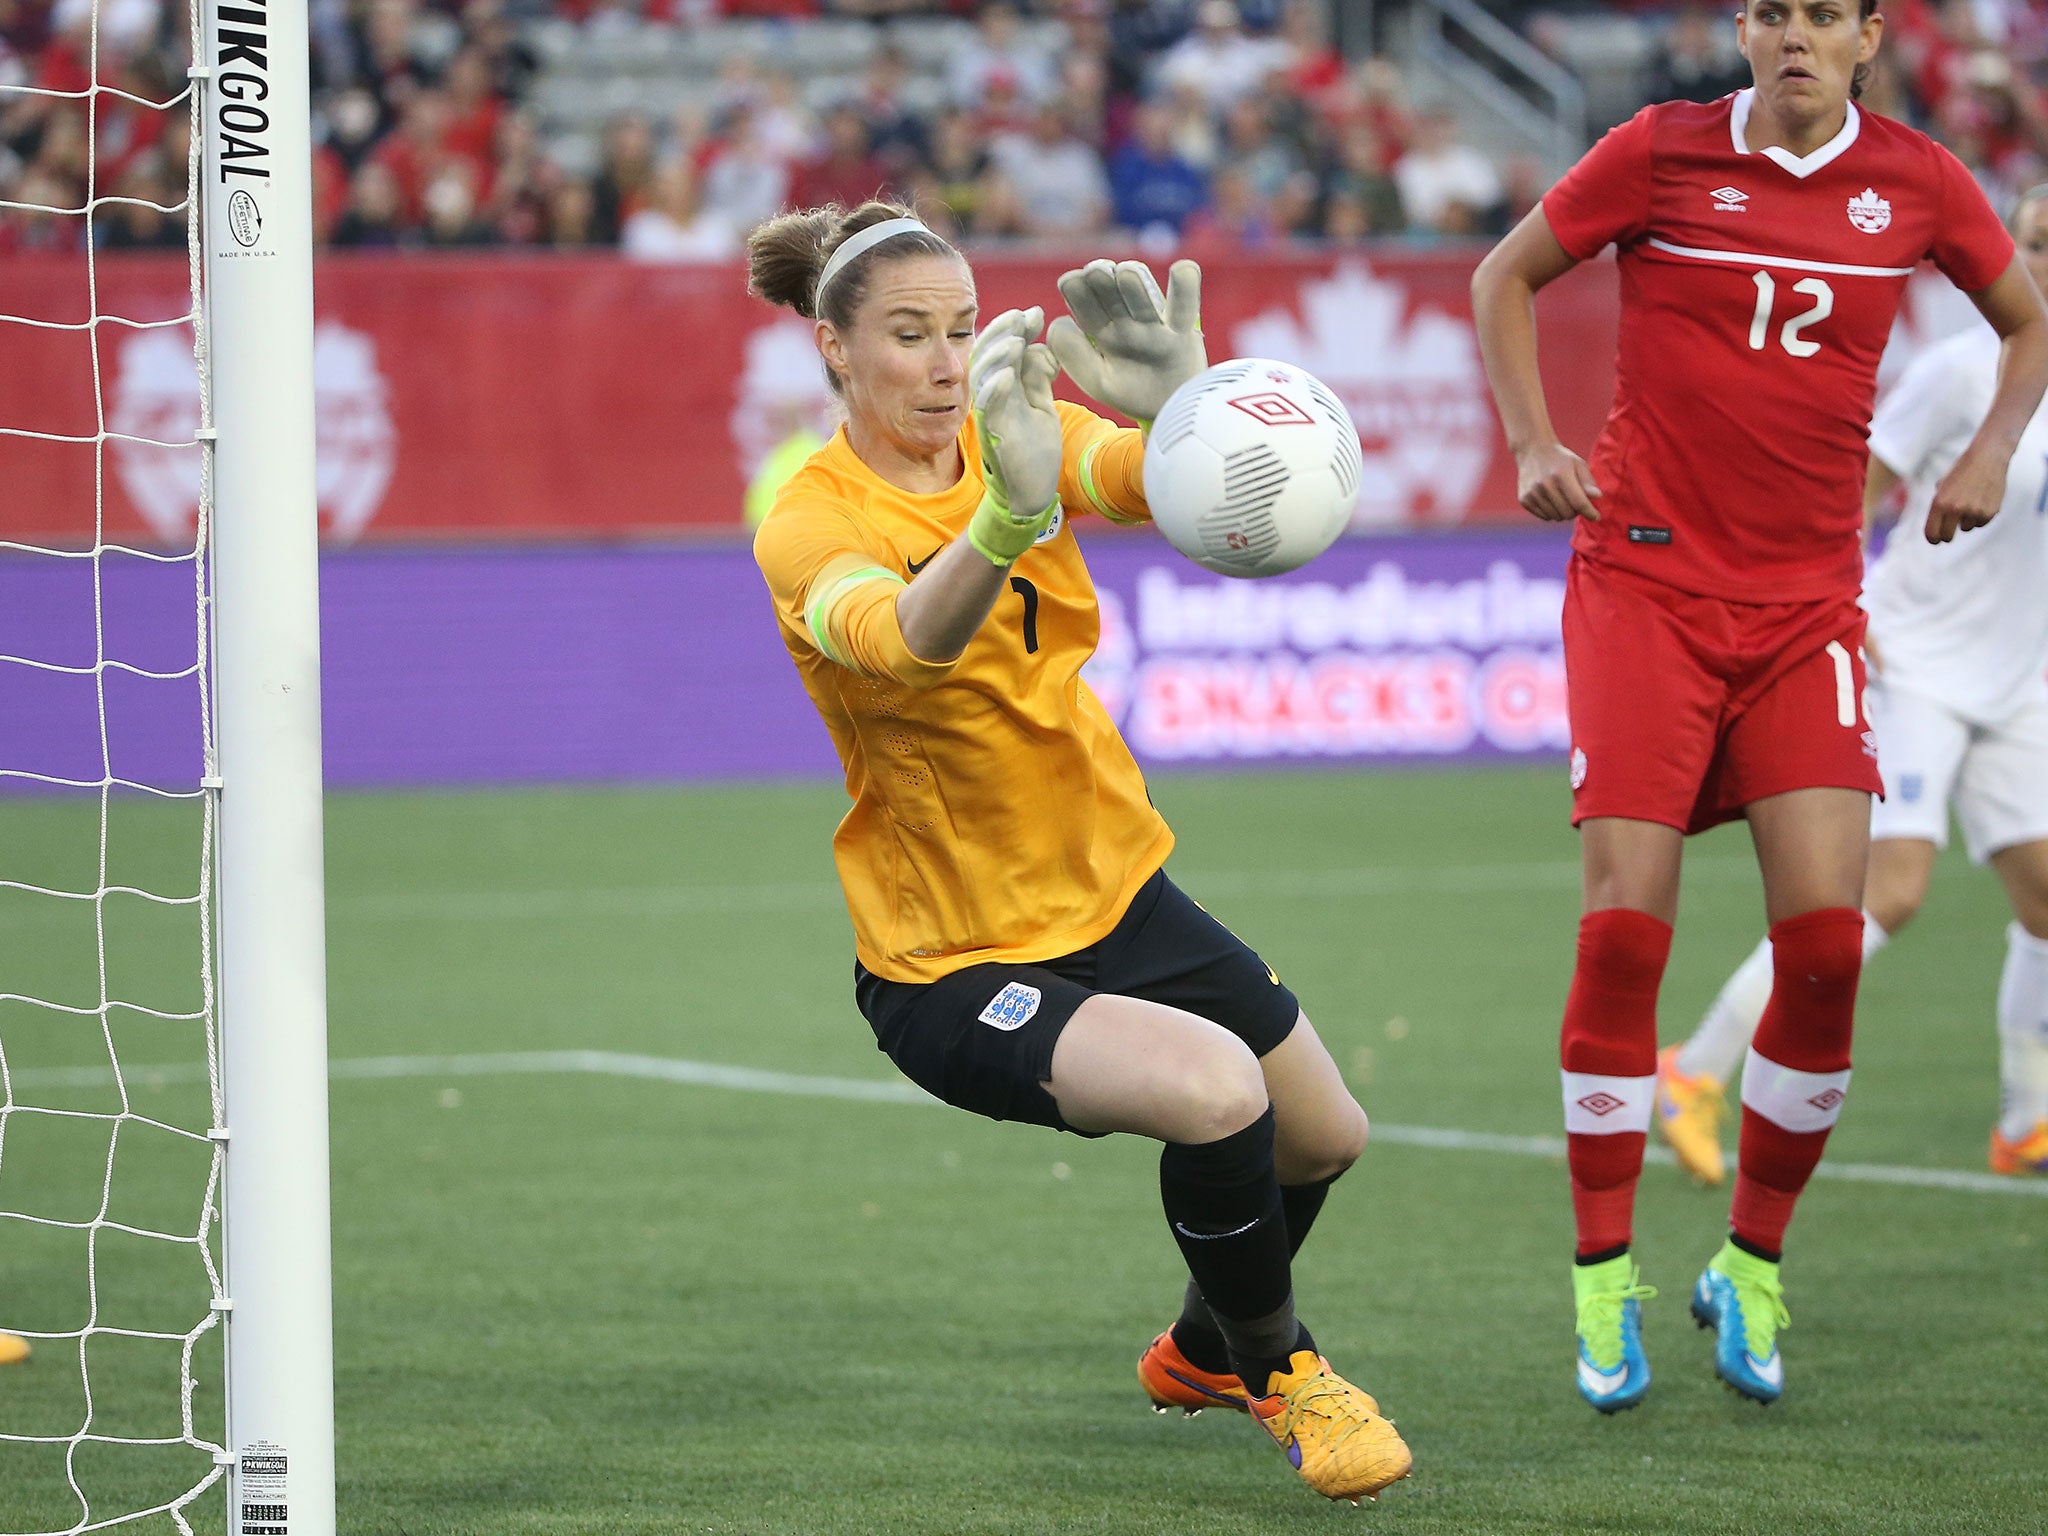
(1195,1333)
(1302,1203)
(1223,1205)
(1282,1339)
(1196,1337)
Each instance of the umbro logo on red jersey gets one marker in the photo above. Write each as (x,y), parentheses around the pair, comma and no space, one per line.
(1729,199)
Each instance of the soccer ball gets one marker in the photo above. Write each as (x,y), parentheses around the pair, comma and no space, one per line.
(1252,468)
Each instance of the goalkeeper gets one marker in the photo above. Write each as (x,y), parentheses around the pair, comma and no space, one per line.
(1021,952)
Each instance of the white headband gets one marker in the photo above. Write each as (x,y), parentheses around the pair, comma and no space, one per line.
(857,245)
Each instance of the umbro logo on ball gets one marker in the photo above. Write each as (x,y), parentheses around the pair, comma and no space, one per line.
(1273,410)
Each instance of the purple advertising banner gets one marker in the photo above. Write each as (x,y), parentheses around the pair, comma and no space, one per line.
(495,666)
(1432,646)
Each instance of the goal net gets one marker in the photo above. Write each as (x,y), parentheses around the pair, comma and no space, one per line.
(131,1397)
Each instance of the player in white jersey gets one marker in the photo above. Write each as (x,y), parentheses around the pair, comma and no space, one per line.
(1958,696)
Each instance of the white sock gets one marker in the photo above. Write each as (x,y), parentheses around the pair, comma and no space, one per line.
(2023,1033)
(1717,1047)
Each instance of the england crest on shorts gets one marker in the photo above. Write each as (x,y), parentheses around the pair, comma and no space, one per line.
(1012,1007)
(1870,213)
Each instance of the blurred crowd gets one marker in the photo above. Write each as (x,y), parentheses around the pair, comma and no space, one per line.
(1970,72)
(1171,124)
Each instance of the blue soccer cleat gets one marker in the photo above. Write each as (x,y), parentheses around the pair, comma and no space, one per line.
(1613,1373)
(1741,1299)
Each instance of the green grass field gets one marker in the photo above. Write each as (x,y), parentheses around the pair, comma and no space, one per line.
(593,1303)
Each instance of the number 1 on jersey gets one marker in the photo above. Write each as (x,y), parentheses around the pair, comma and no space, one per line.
(1023,587)
(1788,335)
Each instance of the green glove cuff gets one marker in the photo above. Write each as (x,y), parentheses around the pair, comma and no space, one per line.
(1000,535)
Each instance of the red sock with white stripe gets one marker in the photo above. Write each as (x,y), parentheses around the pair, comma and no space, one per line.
(1797,1073)
(1610,1068)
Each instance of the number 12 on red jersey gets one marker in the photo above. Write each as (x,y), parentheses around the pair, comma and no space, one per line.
(1788,334)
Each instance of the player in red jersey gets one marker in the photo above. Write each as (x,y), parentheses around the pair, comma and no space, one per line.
(1710,625)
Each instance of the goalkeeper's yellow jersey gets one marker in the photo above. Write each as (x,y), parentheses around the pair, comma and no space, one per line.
(997,814)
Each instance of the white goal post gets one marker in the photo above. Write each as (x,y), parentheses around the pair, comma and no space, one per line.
(252,75)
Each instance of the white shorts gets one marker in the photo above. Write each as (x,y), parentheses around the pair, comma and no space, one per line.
(1996,776)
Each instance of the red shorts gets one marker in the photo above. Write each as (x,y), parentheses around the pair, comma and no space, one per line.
(1684,709)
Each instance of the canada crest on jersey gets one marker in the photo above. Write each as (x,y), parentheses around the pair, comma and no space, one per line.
(1870,213)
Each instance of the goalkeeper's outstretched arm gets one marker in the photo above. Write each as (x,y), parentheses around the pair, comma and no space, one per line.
(1017,427)
(948,602)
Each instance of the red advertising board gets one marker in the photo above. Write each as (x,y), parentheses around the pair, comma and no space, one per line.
(550,397)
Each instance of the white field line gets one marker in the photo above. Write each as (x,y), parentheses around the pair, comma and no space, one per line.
(705,1074)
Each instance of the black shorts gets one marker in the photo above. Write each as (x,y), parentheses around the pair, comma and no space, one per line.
(982,1038)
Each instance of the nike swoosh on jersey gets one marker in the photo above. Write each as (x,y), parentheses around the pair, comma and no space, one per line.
(918,565)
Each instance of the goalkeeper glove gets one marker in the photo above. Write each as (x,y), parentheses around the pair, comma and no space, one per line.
(1009,378)
(1124,343)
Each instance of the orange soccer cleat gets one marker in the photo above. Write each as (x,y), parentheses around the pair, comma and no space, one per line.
(1689,1111)
(2027,1155)
(1331,1430)
(1171,1380)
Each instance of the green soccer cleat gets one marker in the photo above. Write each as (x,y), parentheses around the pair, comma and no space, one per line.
(1741,1298)
(1613,1372)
